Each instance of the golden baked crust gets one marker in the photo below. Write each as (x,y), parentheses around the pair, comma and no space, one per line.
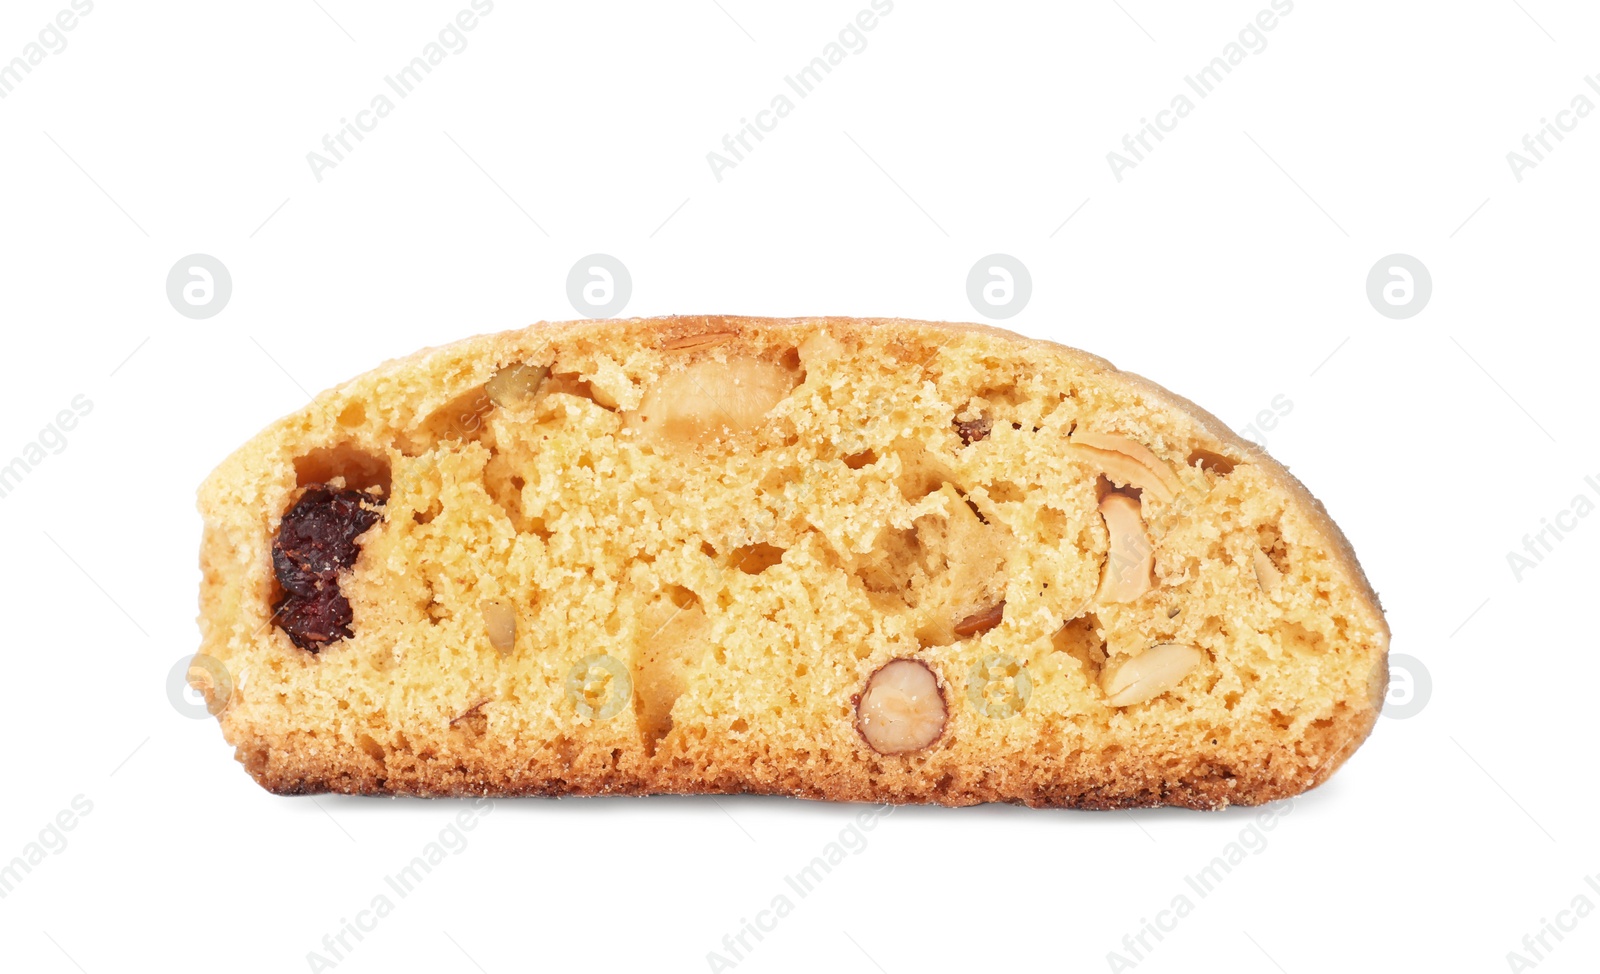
(748,582)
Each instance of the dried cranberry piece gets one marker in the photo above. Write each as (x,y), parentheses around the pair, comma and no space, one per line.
(313,622)
(315,542)
(317,538)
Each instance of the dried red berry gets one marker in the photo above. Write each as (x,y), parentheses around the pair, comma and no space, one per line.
(315,542)
(312,622)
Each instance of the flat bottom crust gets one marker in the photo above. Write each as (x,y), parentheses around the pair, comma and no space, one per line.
(1198,786)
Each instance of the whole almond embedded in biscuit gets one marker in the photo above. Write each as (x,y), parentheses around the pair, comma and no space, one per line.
(902,708)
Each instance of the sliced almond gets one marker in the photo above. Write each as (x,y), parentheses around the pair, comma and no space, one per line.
(515,384)
(501,620)
(1135,679)
(902,708)
(1127,462)
(704,339)
(1267,574)
(710,396)
(1131,558)
(981,621)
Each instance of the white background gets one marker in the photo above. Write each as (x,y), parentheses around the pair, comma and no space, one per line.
(1229,266)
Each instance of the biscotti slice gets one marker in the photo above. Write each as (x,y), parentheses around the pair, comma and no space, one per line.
(874,560)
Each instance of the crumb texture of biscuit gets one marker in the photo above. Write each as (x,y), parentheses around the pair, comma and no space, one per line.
(843,559)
